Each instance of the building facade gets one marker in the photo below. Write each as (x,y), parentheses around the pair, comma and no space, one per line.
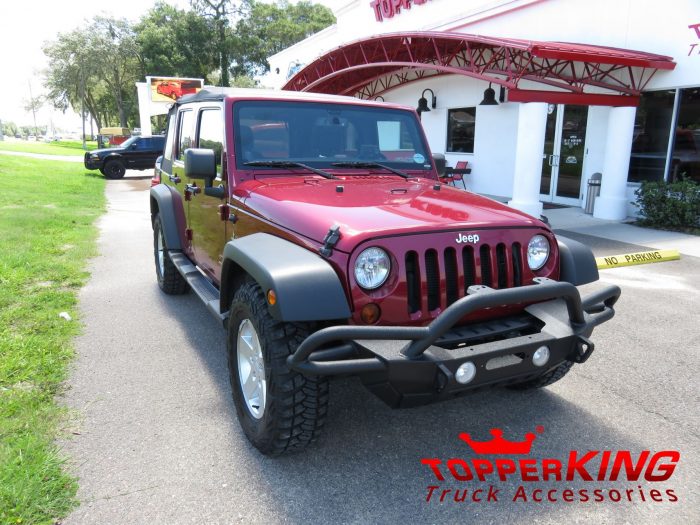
(528,141)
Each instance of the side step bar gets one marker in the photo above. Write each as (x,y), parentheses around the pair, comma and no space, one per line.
(204,289)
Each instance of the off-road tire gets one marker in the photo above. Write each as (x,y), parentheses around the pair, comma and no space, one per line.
(546,379)
(295,405)
(113,169)
(169,279)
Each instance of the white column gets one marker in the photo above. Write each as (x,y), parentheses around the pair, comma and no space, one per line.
(532,125)
(612,202)
(142,90)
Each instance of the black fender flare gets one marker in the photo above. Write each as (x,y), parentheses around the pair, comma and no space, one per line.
(112,156)
(164,203)
(576,262)
(306,286)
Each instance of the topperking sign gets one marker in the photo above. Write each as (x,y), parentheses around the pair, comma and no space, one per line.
(384,9)
(579,476)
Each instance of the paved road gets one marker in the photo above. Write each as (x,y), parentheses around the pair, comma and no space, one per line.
(159,442)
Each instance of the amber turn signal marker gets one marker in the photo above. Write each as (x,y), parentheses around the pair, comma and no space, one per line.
(370,313)
(271,297)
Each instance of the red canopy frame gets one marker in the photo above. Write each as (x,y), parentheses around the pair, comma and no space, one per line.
(369,67)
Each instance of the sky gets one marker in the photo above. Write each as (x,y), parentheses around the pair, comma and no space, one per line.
(25,26)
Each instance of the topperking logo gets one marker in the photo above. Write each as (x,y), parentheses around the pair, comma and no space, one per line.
(549,480)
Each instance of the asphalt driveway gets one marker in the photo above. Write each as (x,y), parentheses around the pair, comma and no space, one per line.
(157,439)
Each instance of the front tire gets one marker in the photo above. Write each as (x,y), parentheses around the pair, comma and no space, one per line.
(169,279)
(279,410)
(114,169)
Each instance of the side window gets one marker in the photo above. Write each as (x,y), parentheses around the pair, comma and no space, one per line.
(185,132)
(170,140)
(143,144)
(211,133)
(461,123)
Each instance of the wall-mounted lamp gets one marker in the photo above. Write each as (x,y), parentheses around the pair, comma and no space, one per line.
(378,97)
(423,102)
(489,97)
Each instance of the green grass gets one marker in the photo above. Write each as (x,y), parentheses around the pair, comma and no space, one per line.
(62,147)
(47,232)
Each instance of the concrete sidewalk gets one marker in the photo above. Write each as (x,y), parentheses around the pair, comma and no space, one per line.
(575,220)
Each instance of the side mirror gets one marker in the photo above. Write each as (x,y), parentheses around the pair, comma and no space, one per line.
(440,163)
(200,164)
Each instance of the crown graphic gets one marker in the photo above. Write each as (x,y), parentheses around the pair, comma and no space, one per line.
(498,445)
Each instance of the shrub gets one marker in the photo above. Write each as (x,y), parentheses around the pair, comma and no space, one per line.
(669,205)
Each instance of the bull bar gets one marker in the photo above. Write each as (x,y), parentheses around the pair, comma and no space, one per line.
(423,369)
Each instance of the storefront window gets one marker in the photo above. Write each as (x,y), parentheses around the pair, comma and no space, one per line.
(460,130)
(652,128)
(685,160)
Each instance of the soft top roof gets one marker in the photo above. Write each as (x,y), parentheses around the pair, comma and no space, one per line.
(207,95)
(203,95)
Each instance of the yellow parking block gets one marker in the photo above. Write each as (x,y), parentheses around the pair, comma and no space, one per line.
(630,259)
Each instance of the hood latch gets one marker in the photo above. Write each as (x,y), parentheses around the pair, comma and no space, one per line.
(330,240)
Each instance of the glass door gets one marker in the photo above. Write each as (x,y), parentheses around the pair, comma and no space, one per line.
(564,152)
(551,147)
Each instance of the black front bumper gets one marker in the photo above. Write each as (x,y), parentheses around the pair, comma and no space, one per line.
(408,366)
(91,164)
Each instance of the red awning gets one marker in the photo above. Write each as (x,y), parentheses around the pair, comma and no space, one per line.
(371,66)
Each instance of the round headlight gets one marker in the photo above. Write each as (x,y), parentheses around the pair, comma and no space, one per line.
(537,252)
(372,268)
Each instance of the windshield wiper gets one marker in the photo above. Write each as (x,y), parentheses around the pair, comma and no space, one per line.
(371,165)
(288,164)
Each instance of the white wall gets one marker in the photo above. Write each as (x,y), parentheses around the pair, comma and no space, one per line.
(596,137)
(652,26)
(643,25)
(494,146)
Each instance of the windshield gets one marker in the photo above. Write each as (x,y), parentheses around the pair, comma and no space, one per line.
(319,134)
(128,142)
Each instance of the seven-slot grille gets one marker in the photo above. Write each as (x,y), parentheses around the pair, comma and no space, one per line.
(499,266)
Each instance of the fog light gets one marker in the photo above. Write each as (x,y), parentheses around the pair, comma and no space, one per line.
(465,373)
(370,313)
(541,356)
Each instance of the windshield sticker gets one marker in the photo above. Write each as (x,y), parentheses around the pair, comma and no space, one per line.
(418,158)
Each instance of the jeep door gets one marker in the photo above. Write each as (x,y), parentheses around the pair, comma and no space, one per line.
(138,154)
(180,137)
(204,213)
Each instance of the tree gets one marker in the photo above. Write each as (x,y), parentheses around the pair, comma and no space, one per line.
(114,42)
(221,12)
(174,42)
(33,104)
(269,28)
(95,66)
(10,128)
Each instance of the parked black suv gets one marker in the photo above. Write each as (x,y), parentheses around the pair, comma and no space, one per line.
(136,153)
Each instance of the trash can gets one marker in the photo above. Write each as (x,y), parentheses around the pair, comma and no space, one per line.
(593,191)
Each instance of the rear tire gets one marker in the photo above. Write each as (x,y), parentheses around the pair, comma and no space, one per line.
(280,411)
(546,379)
(169,279)
(114,169)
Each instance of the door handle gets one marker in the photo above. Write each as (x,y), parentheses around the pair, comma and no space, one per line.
(549,160)
(175,179)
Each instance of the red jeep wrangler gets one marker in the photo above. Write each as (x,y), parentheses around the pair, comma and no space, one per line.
(316,229)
